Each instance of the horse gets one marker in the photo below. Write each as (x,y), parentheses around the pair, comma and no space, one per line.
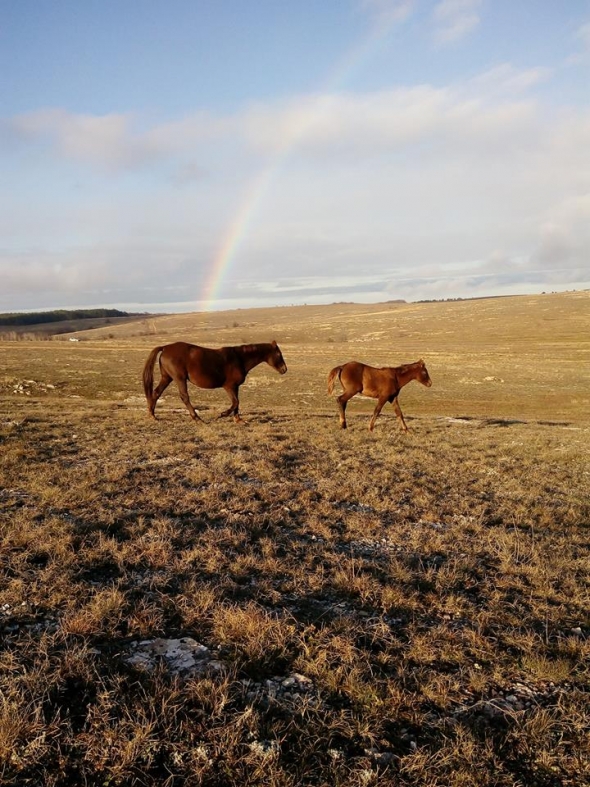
(383,384)
(225,368)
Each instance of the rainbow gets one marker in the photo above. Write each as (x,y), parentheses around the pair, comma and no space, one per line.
(244,217)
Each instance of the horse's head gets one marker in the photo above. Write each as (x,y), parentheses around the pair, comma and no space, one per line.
(423,376)
(275,358)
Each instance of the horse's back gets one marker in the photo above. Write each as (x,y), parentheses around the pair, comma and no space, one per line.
(177,355)
(178,350)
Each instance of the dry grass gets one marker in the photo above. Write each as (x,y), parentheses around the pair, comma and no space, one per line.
(379,609)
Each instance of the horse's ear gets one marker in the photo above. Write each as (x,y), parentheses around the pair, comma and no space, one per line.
(274,344)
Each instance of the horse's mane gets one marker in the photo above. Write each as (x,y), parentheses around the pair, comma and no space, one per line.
(247,349)
(407,366)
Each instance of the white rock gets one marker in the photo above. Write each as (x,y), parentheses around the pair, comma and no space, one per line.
(184,655)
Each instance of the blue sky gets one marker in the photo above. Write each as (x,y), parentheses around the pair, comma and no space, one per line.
(179,155)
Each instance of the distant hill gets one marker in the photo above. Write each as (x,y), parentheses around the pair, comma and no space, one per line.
(44,325)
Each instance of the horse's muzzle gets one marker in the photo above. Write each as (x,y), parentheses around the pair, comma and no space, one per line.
(283,369)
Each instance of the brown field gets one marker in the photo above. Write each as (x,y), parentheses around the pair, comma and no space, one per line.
(284,603)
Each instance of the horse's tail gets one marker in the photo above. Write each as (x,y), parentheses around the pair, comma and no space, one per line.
(335,373)
(148,373)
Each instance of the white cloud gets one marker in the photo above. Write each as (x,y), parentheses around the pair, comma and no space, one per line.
(583,35)
(108,139)
(116,142)
(505,79)
(386,13)
(390,120)
(100,273)
(454,19)
(564,239)
(493,103)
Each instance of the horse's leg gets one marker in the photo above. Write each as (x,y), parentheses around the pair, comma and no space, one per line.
(398,412)
(342,402)
(232,392)
(378,408)
(183,391)
(165,381)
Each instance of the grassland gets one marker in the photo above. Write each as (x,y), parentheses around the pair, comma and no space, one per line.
(349,608)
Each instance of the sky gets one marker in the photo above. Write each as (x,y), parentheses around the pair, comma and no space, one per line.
(189,155)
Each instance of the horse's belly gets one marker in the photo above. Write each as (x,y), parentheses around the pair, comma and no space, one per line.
(370,392)
(206,380)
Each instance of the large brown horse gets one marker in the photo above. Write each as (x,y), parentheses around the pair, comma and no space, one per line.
(224,368)
(383,384)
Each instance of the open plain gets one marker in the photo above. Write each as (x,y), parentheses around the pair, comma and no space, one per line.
(285,603)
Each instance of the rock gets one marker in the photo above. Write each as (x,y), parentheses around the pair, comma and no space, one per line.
(184,656)
(215,665)
(303,682)
(497,707)
(384,758)
(141,661)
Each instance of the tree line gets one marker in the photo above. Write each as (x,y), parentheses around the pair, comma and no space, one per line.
(58,315)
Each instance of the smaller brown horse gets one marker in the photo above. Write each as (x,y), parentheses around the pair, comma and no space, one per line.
(224,368)
(383,384)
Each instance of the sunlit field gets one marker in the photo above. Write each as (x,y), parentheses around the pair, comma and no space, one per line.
(285,603)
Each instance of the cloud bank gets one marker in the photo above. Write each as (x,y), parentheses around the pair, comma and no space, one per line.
(416,191)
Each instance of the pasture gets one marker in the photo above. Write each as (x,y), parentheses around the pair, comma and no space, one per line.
(286,603)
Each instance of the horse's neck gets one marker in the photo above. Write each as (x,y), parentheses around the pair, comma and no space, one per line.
(253,354)
(406,374)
